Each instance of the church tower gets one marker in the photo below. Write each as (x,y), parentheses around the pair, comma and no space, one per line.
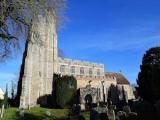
(39,62)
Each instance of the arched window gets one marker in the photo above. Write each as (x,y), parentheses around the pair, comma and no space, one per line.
(72,69)
(62,68)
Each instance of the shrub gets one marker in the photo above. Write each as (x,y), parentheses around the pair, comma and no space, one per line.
(64,90)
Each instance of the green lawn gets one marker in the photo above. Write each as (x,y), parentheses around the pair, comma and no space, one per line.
(10,114)
(39,114)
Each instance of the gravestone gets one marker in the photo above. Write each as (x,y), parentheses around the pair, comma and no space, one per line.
(82,107)
(121,115)
(75,113)
(127,110)
(2,111)
(99,113)
(21,112)
(111,114)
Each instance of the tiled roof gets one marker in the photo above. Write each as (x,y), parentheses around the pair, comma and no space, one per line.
(119,77)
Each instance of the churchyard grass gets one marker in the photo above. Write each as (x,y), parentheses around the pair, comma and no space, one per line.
(38,113)
(10,114)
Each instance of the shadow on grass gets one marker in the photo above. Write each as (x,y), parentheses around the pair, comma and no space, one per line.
(30,116)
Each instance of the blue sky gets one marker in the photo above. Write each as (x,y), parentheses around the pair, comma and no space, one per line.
(113,32)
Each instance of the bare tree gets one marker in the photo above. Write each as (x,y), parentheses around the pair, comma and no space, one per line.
(16,16)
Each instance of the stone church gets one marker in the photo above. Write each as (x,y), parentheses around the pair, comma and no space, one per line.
(41,61)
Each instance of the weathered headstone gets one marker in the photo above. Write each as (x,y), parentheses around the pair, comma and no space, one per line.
(75,113)
(111,114)
(2,111)
(21,112)
(82,107)
(127,110)
(99,113)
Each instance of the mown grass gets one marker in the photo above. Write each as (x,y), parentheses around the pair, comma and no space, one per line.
(10,114)
(38,113)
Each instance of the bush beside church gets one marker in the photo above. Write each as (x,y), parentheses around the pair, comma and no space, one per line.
(64,90)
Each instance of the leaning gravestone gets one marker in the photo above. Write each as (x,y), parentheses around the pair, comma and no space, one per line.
(2,111)
(99,113)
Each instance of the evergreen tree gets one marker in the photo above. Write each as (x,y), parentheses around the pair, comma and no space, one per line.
(113,94)
(12,91)
(149,76)
(65,90)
